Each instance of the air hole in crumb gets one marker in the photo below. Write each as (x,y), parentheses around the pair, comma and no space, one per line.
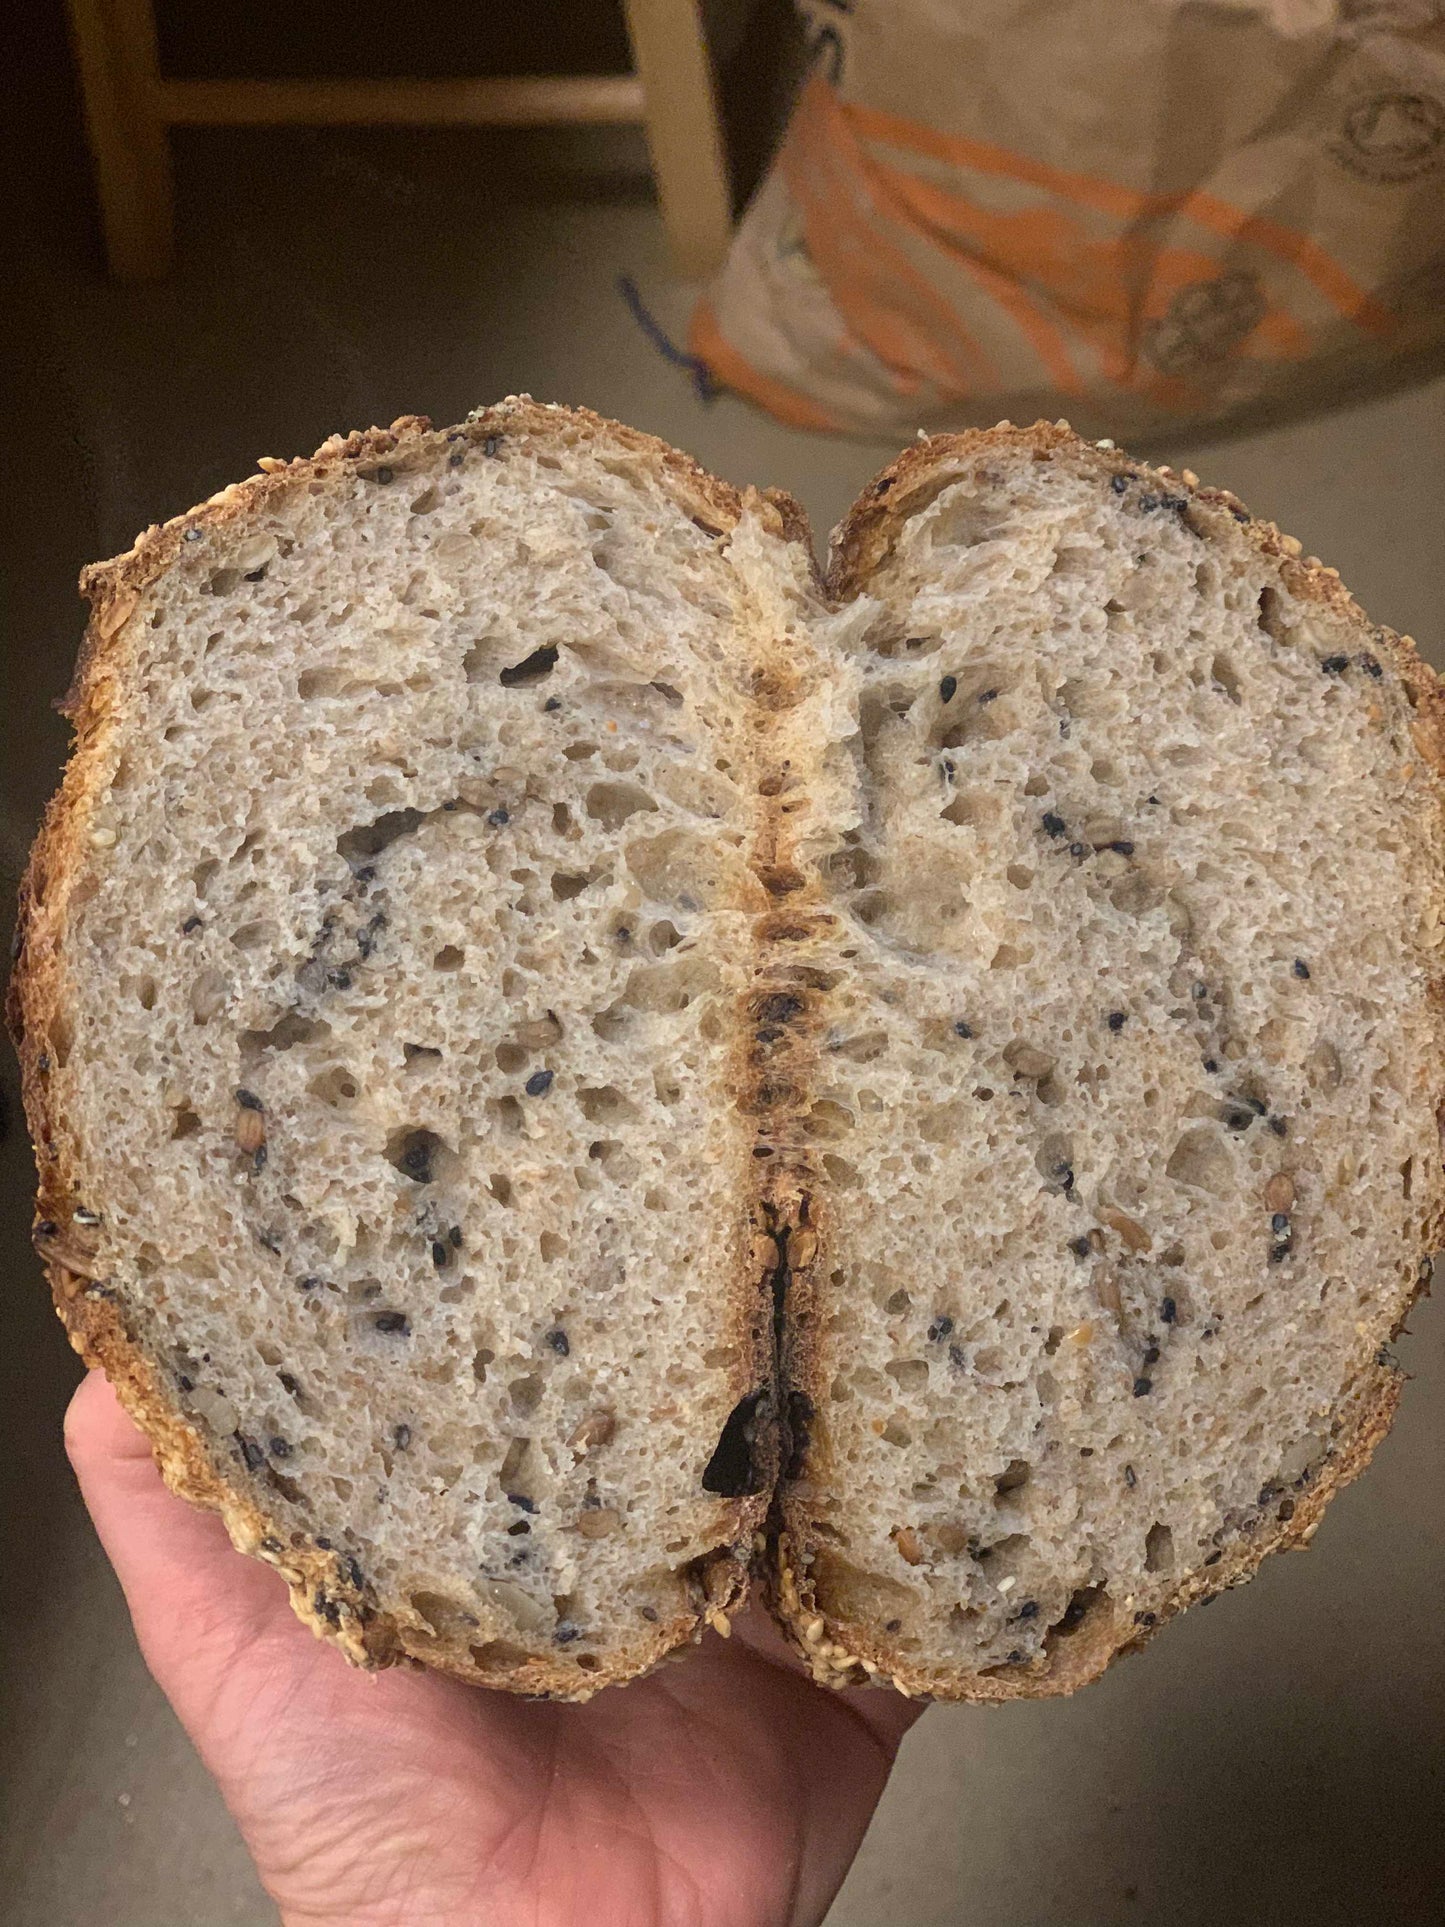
(567,884)
(525,1393)
(511,1058)
(552,1245)
(481,1358)
(449,957)
(611,804)
(1014,1475)
(1271,615)
(1158,1548)
(186,1124)
(531,669)
(368,840)
(413,1152)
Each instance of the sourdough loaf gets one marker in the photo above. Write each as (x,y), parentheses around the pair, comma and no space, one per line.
(564,1050)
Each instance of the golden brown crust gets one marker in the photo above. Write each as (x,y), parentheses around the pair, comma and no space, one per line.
(324,1592)
(839,1651)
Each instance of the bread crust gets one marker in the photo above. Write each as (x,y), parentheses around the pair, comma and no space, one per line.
(324,1592)
(839,1651)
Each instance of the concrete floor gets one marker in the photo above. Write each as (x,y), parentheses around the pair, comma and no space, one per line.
(1279,1759)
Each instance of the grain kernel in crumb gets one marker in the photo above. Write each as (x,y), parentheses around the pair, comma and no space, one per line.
(599,1523)
(1279,1192)
(249,1130)
(910,1546)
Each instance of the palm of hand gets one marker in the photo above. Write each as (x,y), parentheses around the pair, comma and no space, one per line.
(725,1791)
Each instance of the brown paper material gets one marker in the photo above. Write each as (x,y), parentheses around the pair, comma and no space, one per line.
(1136,215)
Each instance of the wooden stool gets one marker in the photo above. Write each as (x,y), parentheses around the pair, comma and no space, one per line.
(129,107)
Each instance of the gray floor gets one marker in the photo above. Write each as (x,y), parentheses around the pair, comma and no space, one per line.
(1280,1758)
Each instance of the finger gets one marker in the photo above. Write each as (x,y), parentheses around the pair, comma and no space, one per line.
(191,1597)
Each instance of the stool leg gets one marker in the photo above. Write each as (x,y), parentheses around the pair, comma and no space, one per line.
(115,54)
(684,132)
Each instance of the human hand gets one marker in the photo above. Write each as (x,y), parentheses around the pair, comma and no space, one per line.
(727,1791)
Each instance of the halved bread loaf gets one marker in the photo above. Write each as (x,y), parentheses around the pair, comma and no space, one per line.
(1131,1065)
(556,1045)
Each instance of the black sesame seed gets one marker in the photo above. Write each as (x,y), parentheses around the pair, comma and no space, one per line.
(280,1449)
(1142,1387)
(940,1328)
(552,703)
(1278,1126)
(521,1502)
(1256,1105)
(1154,800)
(46,1228)
(1371,667)
(958,1358)
(1199,992)
(191,924)
(1214,1558)
(491,444)
(1117,1020)
(401,1437)
(440,1256)
(1119,483)
(393,1321)
(1279,1224)
(1131,1478)
(1151,1354)
(354,1573)
(1054,824)
(559,1342)
(1211,1064)
(962,1029)
(1080,1247)
(1148,503)
(249,1101)
(339,979)
(1144,1619)
(454,1237)
(367,873)
(539,1083)
(1301,968)
(567,1631)
(308,1284)
(251,1452)
(289,1383)
(1028,1610)
(1279,1252)
(1122,845)
(186,1384)
(1017,1657)
(1239,1120)
(948,689)
(987,696)
(258,1164)
(323,1545)
(1168,1311)
(496,818)
(456,458)
(1335,665)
